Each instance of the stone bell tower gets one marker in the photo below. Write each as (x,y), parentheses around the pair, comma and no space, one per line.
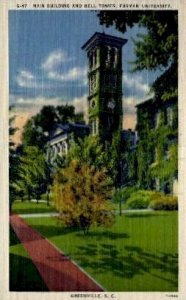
(104,54)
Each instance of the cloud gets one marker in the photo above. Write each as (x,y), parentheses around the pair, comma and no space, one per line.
(34,104)
(80,104)
(54,60)
(25,79)
(74,74)
(54,64)
(135,84)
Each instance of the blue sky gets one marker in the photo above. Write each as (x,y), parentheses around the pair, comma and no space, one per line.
(48,67)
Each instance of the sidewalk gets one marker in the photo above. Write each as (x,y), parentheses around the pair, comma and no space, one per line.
(56,270)
(56,214)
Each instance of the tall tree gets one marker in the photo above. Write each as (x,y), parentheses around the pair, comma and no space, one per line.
(14,162)
(33,135)
(65,113)
(34,173)
(37,129)
(157,49)
(89,151)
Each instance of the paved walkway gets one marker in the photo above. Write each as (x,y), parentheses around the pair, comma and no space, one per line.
(56,270)
(56,214)
(39,215)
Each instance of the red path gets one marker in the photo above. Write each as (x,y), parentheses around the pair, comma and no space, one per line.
(56,270)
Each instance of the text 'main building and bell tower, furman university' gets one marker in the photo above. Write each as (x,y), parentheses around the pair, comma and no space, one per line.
(104,54)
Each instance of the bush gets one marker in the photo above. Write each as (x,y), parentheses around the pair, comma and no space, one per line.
(139,199)
(164,202)
(123,193)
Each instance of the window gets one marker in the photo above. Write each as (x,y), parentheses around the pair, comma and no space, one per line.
(92,83)
(169,116)
(158,119)
(110,80)
(94,127)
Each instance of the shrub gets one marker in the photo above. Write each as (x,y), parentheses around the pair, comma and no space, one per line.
(164,202)
(123,193)
(139,199)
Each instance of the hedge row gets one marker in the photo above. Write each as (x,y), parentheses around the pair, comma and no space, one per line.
(141,199)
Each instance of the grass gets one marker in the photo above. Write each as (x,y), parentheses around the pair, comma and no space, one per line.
(28,207)
(139,253)
(23,274)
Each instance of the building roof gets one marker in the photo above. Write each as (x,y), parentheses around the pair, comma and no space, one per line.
(101,38)
(62,130)
(144,103)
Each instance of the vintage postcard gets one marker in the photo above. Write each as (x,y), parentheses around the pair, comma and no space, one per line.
(93,144)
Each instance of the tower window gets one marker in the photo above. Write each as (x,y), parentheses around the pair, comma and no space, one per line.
(92,83)
(158,119)
(94,127)
(110,80)
(169,116)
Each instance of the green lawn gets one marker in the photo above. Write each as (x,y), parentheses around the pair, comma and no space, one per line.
(23,274)
(139,253)
(27,207)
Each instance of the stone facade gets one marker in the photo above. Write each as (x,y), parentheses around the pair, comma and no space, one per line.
(104,53)
(61,138)
(157,127)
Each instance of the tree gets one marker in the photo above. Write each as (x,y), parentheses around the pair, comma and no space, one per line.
(14,161)
(33,135)
(46,118)
(88,151)
(65,113)
(34,173)
(92,152)
(80,195)
(37,129)
(157,49)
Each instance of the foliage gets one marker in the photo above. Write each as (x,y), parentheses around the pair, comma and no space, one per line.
(157,146)
(155,49)
(164,202)
(37,128)
(80,195)
(14,162)
(33,135)
(65,113)
(34,174)
(114,159)
(139,199)
(91,151)
(123,193)
(88,151)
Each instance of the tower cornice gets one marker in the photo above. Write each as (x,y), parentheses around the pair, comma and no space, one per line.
(101,39)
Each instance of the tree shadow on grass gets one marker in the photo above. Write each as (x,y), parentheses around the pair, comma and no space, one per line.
(13,239)
(53,230)
(129,262)
(104,235)
(145,215)
(24,275)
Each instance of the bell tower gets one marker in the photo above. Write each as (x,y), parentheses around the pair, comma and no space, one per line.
(104,53)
